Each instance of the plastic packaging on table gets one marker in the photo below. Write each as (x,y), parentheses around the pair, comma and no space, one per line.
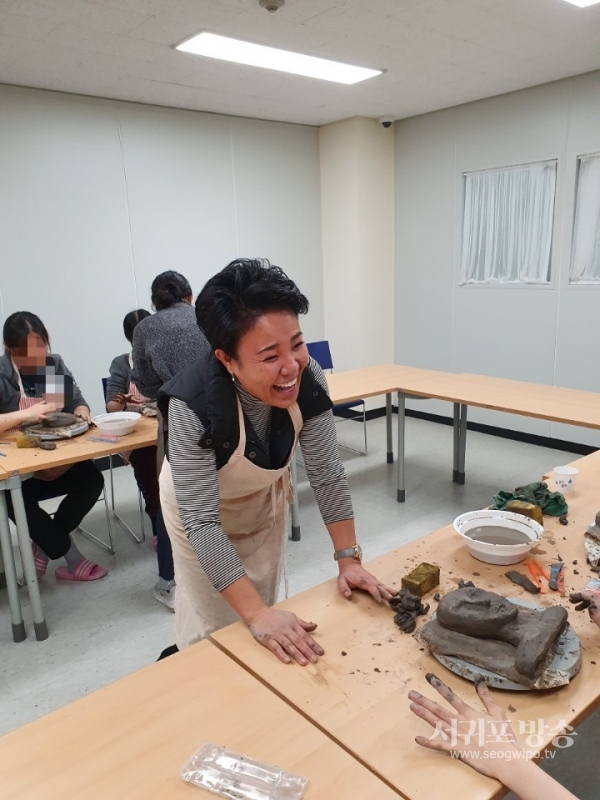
(239,777)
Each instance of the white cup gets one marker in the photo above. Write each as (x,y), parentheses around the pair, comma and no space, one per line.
(564,479)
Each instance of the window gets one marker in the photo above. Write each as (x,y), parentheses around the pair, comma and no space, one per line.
(507,226)
(585,256)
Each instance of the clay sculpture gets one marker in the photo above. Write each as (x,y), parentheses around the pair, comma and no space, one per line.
(489,631)
(59,420)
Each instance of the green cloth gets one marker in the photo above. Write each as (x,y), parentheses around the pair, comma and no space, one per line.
(551,503)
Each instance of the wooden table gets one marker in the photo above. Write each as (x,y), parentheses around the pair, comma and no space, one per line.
(18,465)
(357,691)
(553,403)
(131,739)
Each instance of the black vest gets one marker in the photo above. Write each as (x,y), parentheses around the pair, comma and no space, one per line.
(206,388)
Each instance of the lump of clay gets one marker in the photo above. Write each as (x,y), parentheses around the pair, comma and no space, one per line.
(489,631)
(407,607)
(59,420)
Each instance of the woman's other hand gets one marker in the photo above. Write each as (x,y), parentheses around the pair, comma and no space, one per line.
(83,413)
(286,635)
(354,576)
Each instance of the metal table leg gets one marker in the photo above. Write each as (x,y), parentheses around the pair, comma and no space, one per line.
(295,508)
(401,496)
(39,622)
(14,601)
(460,443)
(388,428)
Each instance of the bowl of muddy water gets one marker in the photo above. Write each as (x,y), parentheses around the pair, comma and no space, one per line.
(498,537)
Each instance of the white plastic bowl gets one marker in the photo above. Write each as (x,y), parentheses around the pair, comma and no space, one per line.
(119,423)
(502,554)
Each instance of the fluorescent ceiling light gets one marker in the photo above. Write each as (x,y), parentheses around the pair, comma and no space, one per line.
(583,3)
(257,55)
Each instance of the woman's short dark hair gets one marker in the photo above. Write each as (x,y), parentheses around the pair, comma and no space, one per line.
(19,325)
(131,320)
(169,288)
(231,301)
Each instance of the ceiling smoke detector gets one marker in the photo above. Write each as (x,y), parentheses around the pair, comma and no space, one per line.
(271,5)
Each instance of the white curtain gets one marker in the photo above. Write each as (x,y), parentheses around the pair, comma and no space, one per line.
(585,258)
(507,226)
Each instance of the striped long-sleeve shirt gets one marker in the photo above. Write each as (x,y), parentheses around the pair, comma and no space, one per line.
(196,485)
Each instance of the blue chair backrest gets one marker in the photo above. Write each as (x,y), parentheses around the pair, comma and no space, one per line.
(321,353)
(104,387)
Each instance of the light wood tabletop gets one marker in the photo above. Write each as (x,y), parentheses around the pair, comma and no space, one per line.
(357,691)
(554,403)
(70,451)
(131,739)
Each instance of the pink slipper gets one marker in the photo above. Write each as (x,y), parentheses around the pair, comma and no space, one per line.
(40,562)
(86,570)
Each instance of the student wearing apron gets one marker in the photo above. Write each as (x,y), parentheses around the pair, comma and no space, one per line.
(32,384)
(122,394)
(232,423)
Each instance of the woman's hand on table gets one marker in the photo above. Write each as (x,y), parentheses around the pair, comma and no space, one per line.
(354,576)
(594,609)
(484,740)
(286,635)
(126,399)
(83,413)
(37,412)
(466,730)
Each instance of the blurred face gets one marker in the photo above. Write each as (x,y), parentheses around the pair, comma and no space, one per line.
(270,359)
(30,354)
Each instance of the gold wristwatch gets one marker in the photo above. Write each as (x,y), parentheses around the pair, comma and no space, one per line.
(349,552)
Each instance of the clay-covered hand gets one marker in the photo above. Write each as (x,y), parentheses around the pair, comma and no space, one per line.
(37,412)
(593,608)
(286,635)
(354,576)
(472,733)
(83,413)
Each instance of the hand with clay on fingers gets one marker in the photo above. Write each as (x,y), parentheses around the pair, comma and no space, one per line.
(354,576)
(484,740)
(286,635)
(83,413)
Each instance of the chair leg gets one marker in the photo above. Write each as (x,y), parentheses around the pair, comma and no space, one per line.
(137,539)
(110,547)
(364,419)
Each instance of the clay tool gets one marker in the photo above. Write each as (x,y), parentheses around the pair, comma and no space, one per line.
(2,454)
(522,580)
(537,572)
(557,577)
(110,439)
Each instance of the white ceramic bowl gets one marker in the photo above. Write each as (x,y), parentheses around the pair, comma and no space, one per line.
(119,423)
(477,521)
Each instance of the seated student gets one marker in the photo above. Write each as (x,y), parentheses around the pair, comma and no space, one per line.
(33,383)
(518,774)
(122,394)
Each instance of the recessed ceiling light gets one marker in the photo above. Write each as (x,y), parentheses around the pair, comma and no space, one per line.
(257,55)
(583,3)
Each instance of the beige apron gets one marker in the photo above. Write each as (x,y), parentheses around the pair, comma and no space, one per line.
(253,505)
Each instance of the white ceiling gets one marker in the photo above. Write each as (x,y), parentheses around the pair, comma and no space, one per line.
(436,53)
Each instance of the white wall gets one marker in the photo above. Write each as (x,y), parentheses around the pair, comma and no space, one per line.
(357,198)
(540,334)
(98,197)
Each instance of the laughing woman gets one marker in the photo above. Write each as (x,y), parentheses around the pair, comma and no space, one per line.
(234,418)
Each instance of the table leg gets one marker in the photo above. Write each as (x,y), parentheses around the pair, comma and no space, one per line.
(460,443)
(401,495)
(295,508)
(14,601)
(39,622)
(388,428)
